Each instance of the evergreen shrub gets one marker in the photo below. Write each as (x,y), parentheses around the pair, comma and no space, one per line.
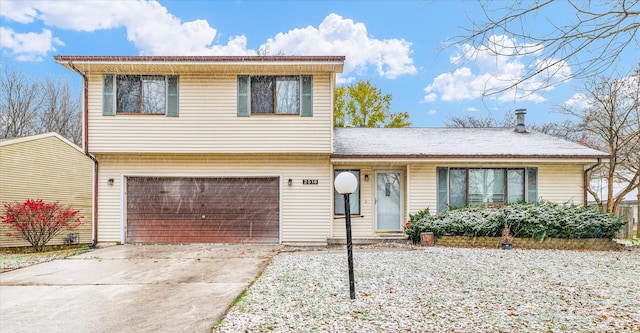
(526,220)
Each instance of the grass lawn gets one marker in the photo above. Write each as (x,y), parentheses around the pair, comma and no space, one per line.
(18,257)
(439,289)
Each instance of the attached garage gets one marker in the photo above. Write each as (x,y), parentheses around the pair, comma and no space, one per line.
(202,210)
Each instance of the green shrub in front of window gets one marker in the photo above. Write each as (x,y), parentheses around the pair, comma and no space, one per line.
(417,223)
(526,220)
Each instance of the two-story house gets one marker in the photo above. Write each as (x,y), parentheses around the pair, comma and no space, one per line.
(243,149)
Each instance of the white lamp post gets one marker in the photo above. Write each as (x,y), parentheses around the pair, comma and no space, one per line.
(346,183)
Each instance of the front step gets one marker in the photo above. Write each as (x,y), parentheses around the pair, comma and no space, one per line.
(380,239)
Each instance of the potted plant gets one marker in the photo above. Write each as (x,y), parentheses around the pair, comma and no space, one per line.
(506,238)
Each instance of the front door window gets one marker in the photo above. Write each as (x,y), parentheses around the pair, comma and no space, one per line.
(388,201)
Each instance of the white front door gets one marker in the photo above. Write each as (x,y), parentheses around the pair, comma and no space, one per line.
(388,201)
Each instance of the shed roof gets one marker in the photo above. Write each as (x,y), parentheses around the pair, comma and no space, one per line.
(454,143)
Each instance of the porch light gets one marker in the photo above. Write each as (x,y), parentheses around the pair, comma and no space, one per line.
(290,182)
(110,182)
(346,183)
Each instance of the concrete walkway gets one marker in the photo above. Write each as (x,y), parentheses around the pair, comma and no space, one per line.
(131,288)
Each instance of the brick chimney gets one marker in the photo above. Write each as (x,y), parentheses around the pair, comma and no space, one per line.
(520,126)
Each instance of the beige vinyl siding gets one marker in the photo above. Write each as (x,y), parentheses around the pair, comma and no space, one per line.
(561,183)
(305,209)
(208,122)
(557,182)
(46,168)
(423,188)
(361,225)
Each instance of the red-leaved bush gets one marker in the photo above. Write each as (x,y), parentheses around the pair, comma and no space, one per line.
(38,221)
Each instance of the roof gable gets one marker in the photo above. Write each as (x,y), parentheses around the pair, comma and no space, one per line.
(13,141)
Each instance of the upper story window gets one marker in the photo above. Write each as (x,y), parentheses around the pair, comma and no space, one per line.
(275,94)
(140,94)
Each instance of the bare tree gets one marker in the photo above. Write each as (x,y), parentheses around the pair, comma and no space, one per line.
(488,121)
(20,103)
(30,107)
(60,111)
(565,129)
(611,123)
(589,40)
(265,50)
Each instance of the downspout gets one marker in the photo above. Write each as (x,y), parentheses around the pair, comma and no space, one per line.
(85,146)
(586,183)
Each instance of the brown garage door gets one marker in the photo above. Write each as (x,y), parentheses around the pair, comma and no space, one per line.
(202,210)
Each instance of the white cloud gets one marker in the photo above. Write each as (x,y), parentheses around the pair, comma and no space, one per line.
(431,112)
(471,109)
(339,36)
(344,79)
(155,31)
(78,15)
(490,69)
(432,97)
(19,11)
(149,26)
(29,46)
(577,101)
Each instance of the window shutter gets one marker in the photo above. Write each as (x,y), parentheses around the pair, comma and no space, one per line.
(306,102)
(243,96)
(442,187)
(532,185)
(108,97)
(172,96)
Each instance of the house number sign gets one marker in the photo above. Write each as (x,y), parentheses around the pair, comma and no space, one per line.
(309,182)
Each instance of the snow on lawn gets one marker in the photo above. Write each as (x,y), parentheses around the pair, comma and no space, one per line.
(444,290)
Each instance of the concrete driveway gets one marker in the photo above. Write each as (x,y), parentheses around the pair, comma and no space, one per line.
(131,288)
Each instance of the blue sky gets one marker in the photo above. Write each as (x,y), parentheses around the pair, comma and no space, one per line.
(398,45)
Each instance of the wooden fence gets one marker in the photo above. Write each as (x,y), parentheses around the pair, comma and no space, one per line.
(630,229)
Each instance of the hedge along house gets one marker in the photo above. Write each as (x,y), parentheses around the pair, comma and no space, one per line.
(243,149)
(405,170)
(48,167)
